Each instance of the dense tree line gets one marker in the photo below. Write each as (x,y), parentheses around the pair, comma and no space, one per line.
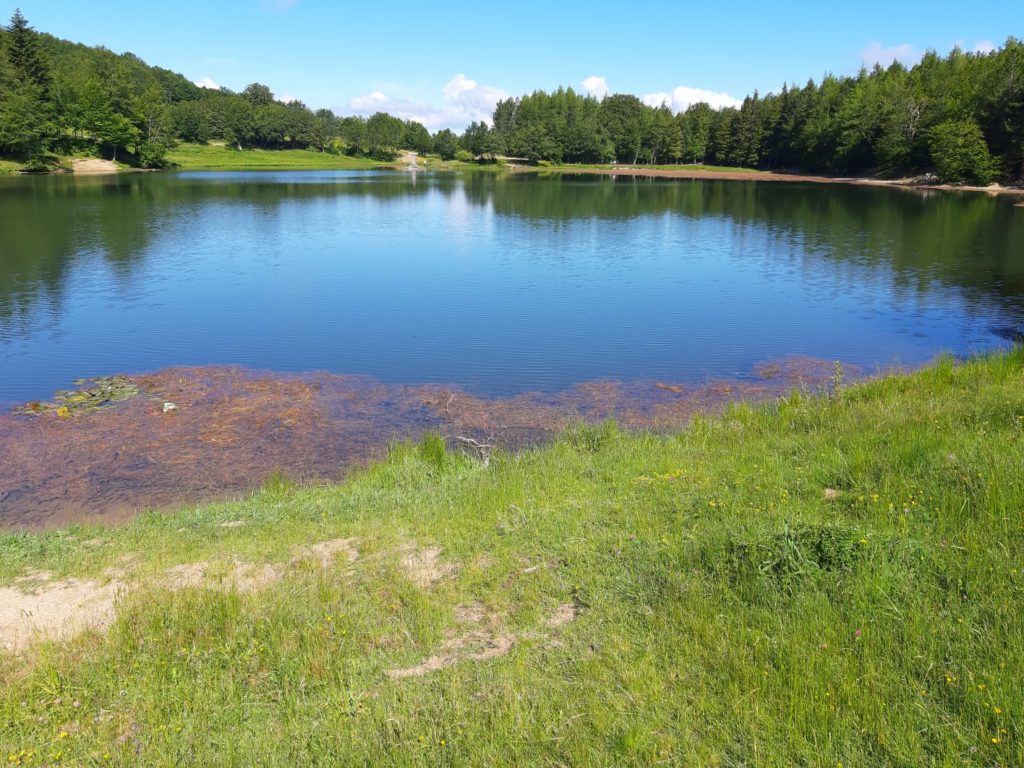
(58,97)
(960,116)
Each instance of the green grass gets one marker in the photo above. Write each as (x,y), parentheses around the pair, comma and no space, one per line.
(569,167)
(220,157)
(9,166)
(730,614)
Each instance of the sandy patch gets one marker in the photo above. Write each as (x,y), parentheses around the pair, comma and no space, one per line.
(326,552)
(237,575)
(473,613)
(409,159)
(425,566)
(37,607)
(563,615)
(480,644)
(93,165)
(56,610)
(474,646)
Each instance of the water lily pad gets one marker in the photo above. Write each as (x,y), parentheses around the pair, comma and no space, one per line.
(94,394)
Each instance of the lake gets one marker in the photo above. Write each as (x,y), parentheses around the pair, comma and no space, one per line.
(300,321)
(498,285)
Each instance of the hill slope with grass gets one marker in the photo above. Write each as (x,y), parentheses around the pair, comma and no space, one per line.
(824,581)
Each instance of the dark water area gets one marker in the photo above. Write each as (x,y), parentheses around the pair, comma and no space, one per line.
(302,320)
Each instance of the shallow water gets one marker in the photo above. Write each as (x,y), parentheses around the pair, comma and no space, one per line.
(495,285)
(301,321)
(233,428)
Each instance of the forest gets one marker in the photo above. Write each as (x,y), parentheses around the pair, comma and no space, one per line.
(959,118)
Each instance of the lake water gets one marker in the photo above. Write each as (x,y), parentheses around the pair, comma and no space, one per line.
(301,321)
(494,284)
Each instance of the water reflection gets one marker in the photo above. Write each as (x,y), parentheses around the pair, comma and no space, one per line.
(441,277)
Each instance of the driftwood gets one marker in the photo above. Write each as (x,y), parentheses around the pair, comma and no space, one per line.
(483,450)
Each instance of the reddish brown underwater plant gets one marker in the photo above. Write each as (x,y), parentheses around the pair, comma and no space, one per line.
(232,428)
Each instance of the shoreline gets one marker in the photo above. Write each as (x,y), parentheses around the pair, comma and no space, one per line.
(231,428)
(770,176)
(751,569)
(430,165)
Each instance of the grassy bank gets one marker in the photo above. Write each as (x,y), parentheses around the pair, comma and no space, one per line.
(223,158)
(9,166)
(823,581)
(569,168)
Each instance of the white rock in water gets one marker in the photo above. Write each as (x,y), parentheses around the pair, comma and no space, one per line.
(168,407)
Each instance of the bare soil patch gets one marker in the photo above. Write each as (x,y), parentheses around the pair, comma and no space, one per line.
(425,566)
(93,166)
(326,552)
(37,607)
(474,646)
(481,644)
(56,610)
(563,615)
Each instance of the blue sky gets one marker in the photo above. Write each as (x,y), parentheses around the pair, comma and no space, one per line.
(445,63)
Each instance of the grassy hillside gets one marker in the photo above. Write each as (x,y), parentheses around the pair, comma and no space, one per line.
(821,582)
(220,157)
(569,167)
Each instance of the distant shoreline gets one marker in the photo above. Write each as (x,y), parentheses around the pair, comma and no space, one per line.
(217,158)
(741,175)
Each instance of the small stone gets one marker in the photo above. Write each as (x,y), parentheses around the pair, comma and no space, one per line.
(830,494)
(168,407)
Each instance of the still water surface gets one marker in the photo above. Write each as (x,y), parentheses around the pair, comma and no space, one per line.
(497,285)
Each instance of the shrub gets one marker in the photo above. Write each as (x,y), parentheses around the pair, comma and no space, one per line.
(960,154)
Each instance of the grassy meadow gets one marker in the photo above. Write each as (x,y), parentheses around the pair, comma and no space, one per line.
(824,581)
(679,167)
(221,157)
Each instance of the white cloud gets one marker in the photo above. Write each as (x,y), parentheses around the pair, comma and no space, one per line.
(369,103)
(984,46)
(904,53)
(682,97)
(207,82)
(596,86)
(463,101)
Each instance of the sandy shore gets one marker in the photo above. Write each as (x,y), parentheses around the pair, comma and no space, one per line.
(92,166)
(684,173)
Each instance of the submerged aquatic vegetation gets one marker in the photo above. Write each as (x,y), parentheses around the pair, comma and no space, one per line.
(203,433)
(91,395)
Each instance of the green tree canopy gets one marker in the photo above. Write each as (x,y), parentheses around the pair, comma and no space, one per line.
(960,154)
